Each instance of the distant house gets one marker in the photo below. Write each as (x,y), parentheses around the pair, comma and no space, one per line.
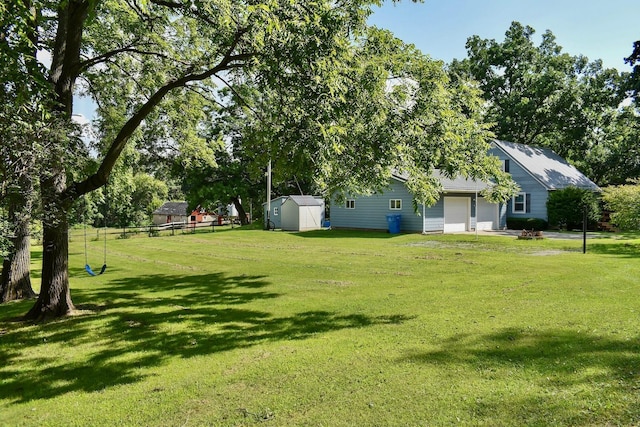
(201,215)
(461,206)
(296,213)
(538,171)
(170,212)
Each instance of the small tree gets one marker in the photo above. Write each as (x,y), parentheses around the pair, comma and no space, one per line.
(624,203)
(566,207)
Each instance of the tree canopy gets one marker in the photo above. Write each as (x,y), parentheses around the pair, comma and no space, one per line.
(540,95)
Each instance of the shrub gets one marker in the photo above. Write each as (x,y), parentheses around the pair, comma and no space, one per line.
(566,207)
(624,203)
(537,224)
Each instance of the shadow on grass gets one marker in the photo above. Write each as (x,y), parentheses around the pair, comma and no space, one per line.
(621,248)
(561,361)
(36,253)
(139,323)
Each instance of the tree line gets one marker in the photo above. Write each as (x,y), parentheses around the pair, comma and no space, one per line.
(193,98)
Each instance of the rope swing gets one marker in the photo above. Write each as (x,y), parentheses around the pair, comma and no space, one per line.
(87,267)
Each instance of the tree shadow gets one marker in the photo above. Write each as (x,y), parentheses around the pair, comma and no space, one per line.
(559,359)
(36,253)
(144,322)
(621,249)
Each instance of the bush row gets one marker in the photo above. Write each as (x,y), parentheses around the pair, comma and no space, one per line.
(536,224)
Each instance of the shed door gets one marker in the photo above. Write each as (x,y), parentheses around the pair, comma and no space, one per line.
(309,217)
(487,215)
(456,214)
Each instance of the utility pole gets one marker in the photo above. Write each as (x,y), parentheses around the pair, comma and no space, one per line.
(584,229)
(268,195)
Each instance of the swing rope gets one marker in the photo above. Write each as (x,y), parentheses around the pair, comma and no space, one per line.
(87,267)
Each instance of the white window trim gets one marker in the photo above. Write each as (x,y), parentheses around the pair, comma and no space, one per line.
(524,204)
(275,211)
(350,204)
(398,204)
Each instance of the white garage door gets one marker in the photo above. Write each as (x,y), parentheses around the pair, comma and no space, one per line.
(487,215)
(456,214)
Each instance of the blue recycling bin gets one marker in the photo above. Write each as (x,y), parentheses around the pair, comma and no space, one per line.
(394,223)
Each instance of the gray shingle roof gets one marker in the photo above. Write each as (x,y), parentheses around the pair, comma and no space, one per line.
(305,201)
(172,208)
(453,185)
(280,200)
(551,170)
(460,184)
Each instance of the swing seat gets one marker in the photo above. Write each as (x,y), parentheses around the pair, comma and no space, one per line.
(89,270)
(87,267)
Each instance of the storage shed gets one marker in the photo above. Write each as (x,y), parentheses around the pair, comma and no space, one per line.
(301,213)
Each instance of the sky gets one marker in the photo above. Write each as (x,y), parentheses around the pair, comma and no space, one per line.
(597,29)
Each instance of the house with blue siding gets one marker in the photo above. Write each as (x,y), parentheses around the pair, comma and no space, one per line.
(538,171)
(461,206)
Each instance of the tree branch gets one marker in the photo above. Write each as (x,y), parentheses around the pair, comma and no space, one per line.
(240,97)
(99,179)
(66,50)
(108,55)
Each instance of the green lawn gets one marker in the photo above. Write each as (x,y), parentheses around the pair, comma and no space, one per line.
(333,328)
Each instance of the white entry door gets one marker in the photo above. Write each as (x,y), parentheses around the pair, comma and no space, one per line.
(487,215)
(456,214)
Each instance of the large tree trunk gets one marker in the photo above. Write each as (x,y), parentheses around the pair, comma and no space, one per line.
(55,296)
(54,299)
(242,214)
(16,280)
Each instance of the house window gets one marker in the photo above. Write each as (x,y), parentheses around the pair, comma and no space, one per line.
(519,203)
(350,204)
(275,211)
(505,165)
(395,204)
